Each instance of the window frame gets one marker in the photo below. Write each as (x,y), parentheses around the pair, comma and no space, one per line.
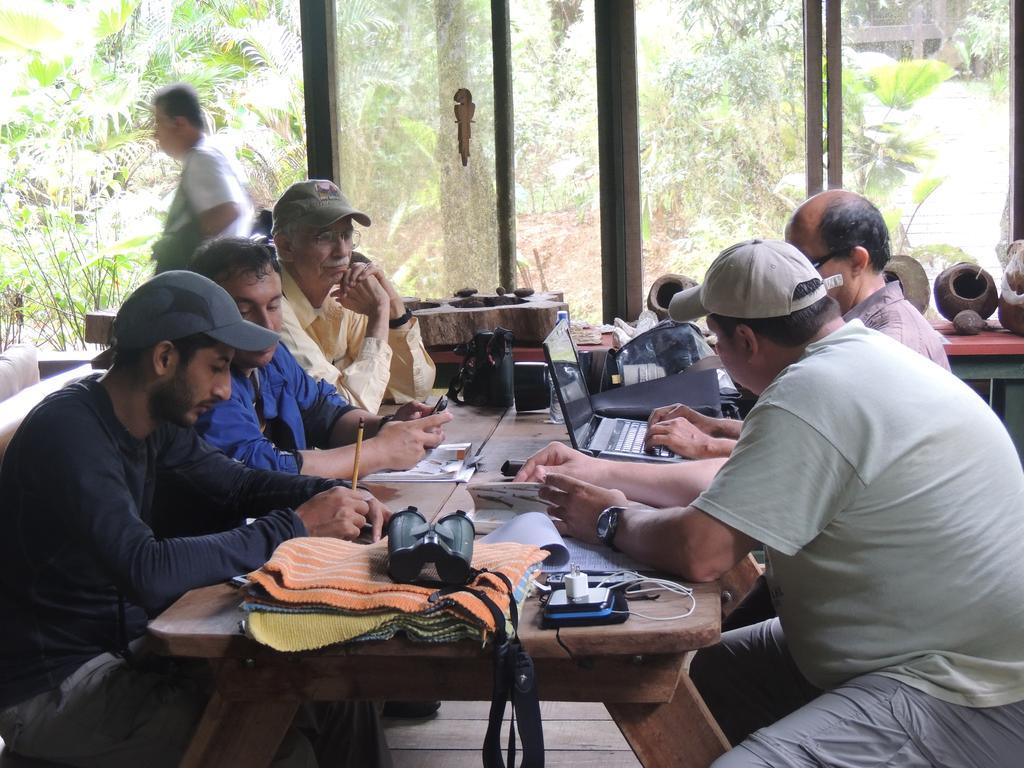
(618,133)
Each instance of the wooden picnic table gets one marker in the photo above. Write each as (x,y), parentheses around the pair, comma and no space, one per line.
(637,668)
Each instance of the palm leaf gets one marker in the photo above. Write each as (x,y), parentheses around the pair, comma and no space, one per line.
(901,84)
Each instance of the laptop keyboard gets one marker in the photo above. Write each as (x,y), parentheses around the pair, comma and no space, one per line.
(631,440)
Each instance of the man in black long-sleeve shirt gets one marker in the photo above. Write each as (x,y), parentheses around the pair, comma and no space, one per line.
(81,570)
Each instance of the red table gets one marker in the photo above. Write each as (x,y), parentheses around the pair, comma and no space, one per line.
(995,356)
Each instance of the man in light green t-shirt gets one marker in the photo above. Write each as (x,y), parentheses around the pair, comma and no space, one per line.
(891,503)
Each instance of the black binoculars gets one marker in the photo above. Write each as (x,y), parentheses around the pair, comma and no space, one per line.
(413,543)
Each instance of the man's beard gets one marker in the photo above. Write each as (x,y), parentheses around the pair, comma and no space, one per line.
(173,400)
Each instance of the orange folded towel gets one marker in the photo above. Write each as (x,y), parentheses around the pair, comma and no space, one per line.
(353,577)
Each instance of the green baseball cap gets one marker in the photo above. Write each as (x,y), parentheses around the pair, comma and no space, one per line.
(177,304)
(317,203)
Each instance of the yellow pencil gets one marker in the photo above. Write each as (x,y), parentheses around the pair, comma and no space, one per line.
(355,463)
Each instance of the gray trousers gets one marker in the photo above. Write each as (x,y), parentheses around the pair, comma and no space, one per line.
(777,718)
(110,714)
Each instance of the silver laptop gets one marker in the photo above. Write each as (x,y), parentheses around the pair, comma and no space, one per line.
(598,435)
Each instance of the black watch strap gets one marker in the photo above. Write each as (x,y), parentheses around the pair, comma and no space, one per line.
(398,322)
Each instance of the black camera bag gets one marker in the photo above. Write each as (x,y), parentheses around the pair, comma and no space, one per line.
(485,377)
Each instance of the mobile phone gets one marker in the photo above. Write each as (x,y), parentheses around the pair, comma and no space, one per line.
(440,405)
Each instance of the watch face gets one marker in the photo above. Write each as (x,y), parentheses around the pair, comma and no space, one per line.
(607,523)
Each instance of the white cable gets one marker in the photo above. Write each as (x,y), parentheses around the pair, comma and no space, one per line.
(640,583)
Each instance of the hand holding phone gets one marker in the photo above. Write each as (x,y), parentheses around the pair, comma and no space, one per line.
(440,405)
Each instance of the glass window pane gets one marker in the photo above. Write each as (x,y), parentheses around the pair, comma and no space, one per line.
(926,124)
(558,212)
(400,63)
(721,126)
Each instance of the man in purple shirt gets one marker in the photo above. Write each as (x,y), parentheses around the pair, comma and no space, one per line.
(842,233)
(845,238)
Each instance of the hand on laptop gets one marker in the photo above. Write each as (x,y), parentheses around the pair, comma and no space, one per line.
(560,458)
(681,437)
(577,505)
(341,513)
(713,427)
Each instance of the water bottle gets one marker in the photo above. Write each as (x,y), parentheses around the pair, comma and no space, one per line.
(555,410)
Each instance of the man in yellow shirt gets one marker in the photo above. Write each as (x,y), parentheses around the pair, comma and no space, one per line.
(344,322)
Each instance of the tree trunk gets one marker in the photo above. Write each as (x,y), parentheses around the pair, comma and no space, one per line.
(468,200)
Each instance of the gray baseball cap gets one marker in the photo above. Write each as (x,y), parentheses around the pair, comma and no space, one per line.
(753,279)
(177,304)
(317,203)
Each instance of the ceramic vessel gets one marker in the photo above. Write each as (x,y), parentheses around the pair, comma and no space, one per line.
(965,286)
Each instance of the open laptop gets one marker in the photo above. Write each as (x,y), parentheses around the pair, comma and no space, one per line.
(598,435)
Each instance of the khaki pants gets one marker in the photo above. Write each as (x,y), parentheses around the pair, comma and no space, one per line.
(110,713)
(777,718)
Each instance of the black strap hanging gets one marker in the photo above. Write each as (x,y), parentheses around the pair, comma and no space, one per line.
(515,681)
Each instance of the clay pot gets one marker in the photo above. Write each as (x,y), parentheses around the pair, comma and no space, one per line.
(965,286)
(1011,315)
(662,291)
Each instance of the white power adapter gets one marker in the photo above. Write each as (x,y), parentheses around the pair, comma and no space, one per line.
(577,586)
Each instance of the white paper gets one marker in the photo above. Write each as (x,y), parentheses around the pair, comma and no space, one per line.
(441,465)
(534,528)
(497,503)
(592,558)
(507,496)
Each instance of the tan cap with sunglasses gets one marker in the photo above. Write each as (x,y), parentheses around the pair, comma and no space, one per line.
(753,279)
(317,203)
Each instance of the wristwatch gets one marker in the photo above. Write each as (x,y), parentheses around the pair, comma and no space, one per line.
(608,525)
(401,320)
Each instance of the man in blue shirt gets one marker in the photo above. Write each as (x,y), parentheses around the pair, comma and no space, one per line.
(278,415)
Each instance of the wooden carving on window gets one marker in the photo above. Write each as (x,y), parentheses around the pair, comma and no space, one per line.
(464,109)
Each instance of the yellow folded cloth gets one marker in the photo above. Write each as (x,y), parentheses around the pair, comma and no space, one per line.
(353,577)
(309,631)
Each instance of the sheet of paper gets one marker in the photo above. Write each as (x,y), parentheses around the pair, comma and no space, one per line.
(598,557)
(499,502)
(443,464)
(508,496)
(533,528)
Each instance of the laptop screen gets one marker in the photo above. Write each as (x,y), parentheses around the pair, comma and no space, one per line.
(569,381)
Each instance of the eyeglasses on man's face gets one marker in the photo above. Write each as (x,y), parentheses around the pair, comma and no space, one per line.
(816,263)
(331,236)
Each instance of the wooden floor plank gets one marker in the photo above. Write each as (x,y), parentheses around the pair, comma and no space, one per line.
(468,735)
(552,759)
(549,710)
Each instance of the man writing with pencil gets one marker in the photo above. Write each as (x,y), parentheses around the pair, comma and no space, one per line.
(278,415)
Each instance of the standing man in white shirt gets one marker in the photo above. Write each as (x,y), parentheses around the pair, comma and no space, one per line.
(211,200)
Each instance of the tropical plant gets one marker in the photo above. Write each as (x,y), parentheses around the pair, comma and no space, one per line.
(880,146)
(85,182)
(721,125)
(894,216)
(983,42)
